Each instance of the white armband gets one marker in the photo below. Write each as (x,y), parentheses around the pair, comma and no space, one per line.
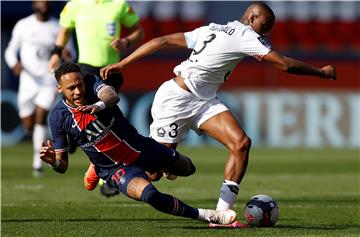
(100,104)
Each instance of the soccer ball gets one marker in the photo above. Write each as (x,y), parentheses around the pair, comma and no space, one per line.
(261,210)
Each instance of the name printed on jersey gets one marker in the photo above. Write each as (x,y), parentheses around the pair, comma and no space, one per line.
(224,28)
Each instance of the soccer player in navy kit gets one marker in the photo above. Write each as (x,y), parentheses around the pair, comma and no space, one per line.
(89,116)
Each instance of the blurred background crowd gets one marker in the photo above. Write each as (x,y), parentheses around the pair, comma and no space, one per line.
(312,29)
(318,32)
(300,25)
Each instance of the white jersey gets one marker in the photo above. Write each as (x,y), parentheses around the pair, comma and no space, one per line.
(217,49)
(33,40)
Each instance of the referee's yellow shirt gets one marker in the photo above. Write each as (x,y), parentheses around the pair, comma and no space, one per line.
(96,23)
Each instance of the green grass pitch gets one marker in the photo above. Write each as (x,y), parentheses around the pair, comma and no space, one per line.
(317,192)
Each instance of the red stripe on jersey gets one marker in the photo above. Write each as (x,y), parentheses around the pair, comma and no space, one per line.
(116,149)
(82,119)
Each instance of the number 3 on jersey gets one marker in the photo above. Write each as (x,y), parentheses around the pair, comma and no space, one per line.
(208,39)
(173,132)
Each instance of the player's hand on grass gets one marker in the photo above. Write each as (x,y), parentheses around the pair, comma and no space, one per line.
(109,69)
(47,152)
(329,72)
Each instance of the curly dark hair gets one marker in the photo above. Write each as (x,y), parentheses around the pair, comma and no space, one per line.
(66,68)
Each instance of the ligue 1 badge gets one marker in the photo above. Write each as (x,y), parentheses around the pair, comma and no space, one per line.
(110,28)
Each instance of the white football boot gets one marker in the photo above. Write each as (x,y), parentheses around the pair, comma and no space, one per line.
(222,217)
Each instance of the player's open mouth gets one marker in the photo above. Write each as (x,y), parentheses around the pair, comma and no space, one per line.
(79,100)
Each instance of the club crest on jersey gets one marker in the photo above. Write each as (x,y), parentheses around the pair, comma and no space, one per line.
(264,42)
(122,180)
(110,28)
(161,132)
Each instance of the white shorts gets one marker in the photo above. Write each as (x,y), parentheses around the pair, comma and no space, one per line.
(34,92)
(175,111)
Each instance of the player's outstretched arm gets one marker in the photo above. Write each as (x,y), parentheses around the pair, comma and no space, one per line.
(58,160)
(294,66)
(176,40)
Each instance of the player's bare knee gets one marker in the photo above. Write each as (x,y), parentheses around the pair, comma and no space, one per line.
(240,145)
(28,126)
(40,117)
(136,187)
(245,144)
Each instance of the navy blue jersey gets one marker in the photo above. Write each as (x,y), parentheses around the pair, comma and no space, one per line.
(107,138)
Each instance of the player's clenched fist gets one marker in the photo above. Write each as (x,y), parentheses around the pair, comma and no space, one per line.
(329,72)
(119,44)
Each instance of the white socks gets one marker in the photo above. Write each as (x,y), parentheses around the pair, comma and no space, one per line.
(38,137)
(228,193)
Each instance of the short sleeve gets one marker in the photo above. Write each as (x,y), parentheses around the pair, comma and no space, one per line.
(191,37)
(67,15)
(129,18)
(254,45)
(96,84)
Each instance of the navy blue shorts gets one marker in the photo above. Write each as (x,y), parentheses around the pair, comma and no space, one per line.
(121,178)
(154,157)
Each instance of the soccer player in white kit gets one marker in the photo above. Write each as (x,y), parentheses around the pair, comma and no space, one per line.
(189,101)
(33,38)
